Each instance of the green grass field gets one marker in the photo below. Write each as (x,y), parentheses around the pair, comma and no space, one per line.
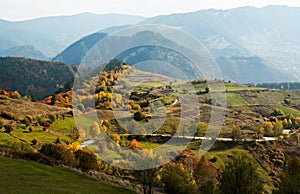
(285,109)
(235,99)
(20,138)
(238,87)
(64,126)
(40,135)
(18,176)
(230,87)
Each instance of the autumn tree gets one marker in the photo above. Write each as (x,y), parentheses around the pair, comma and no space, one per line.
(204,175)
(81,132)
(287,123)
(278,128)
(134,144)
(87,160)
(60,153)
(150,176)
(94,130)
(177,179)
(15,95)
(139,116)
(240,175)
(269,129)
(290,177)
(236,133)
(116,137)
(277,112)
(75,132)
(78,132)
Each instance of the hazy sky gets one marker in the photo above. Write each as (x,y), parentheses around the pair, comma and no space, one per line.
(25,9)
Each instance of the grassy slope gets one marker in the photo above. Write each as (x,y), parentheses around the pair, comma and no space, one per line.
(235,99)
(22,107)
(221,156)
(18,176)
(285,109)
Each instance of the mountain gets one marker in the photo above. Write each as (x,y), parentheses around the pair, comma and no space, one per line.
(271,33)
(33,77)
(168,62)
(23,51)
(51,35)
(113,29)
(76,51)
(250,70)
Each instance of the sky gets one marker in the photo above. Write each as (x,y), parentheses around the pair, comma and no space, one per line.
(16,10)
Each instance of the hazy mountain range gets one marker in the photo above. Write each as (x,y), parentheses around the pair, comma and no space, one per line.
(270,32)
(249,44)
(51,35)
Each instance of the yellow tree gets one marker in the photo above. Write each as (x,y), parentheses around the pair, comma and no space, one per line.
(278,128)
(236,133)
(94,130)
(269,128)
(116,137)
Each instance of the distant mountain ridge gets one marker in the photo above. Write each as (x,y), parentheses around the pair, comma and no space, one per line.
(76,51)
(23,51)
(240,69)
(51,35)
(271,33)
(245,41)
(247,70)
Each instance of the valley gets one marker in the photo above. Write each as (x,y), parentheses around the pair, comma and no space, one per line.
(204,102)
(253,121)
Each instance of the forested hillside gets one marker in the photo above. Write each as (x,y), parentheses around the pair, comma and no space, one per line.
(33,77)
(75,52)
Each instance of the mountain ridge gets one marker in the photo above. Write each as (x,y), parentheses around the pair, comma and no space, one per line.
(51,35)
(270,32)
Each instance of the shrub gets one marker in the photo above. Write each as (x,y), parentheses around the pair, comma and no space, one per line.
(15,95)
(38,157)
(52,117)
(39,119)
(46,124)
(134,144)
(27,122)
(34,142)
(60,153)
(139,116)
(9,115)
(94,130)
(1,123)
(30,129)
(29,117)
(8,128)
(86,160)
